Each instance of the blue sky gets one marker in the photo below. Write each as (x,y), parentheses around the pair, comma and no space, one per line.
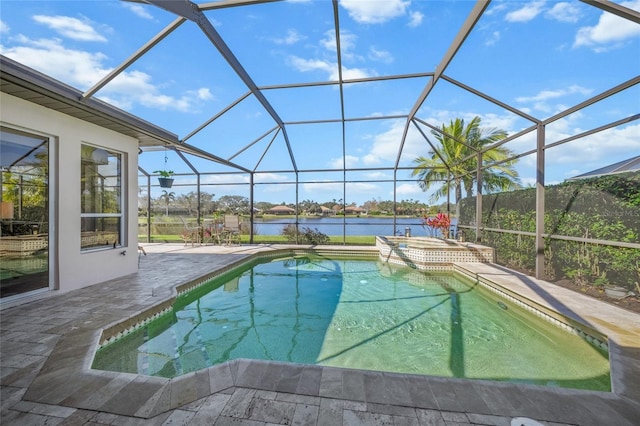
(540,57)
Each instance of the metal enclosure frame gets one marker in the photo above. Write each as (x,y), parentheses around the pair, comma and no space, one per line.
(154,138)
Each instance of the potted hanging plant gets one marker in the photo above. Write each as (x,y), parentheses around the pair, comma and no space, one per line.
(165,178)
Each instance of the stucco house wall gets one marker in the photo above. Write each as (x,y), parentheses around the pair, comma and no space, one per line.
(72,268)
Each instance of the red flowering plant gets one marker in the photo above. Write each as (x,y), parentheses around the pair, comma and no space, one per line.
(441,222)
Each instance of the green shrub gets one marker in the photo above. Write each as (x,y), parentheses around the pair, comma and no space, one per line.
(305,236)
(605,208)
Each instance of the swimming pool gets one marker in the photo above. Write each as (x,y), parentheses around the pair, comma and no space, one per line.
(362,314)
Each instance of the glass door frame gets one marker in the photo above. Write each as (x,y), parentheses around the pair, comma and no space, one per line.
(52,208)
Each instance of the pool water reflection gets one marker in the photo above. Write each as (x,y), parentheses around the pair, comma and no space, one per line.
(361,314)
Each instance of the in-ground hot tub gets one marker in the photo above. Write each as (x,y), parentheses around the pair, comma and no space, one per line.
(431,254)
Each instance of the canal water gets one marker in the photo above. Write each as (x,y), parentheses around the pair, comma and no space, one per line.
(354,225)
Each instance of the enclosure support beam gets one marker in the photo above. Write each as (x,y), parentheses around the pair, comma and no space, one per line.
(465,30)
(616,9)
(479,198)
(130,60)
(252,188)
(297,209)
(336,25)
(199,203)
(540,202)
(395,201)
(148,208)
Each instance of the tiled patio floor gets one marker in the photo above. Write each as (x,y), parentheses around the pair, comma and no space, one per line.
(47,344)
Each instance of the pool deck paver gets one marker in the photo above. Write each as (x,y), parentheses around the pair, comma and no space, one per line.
(47,343)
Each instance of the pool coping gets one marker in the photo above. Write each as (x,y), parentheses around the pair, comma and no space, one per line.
(67,379)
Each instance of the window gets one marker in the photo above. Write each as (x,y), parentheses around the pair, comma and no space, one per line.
(101,195)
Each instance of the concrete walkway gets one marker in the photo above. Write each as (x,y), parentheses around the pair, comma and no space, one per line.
(47,344)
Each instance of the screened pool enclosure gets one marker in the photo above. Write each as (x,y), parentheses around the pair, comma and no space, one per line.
(343,113)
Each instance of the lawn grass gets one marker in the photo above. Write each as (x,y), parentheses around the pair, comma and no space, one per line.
(362,240)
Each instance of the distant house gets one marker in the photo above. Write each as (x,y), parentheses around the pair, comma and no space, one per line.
(354,210)
(326,211)
(630,165)
(280,210)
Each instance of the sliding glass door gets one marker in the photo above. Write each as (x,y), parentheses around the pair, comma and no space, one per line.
(24,235)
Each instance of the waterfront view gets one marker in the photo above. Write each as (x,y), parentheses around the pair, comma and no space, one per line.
(357,230)
(352,225)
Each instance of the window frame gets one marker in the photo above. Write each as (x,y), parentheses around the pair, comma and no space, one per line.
(121,190)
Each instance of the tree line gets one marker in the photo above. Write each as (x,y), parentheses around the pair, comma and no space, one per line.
(168,203)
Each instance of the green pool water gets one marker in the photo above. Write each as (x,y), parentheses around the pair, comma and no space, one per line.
(361,314)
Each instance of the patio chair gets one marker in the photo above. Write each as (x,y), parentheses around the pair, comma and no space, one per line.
(213,232)
(192,233)
(231,229)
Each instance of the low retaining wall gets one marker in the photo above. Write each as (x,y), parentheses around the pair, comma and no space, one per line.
(431,254)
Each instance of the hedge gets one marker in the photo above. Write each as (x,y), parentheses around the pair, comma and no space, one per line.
(603,208)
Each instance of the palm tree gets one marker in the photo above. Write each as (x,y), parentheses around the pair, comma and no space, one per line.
(167,197)
(458,141)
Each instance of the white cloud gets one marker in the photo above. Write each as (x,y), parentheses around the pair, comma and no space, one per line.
(415,19)
(378,175)
(564,12)
(355,190)
(493,39)
(354,73)
(546,95)
(306,65)
(380,55)
(4,28)
(271,177)
(82,70)
(347,44)
(361,188)
(594,151)
(526,13)
(78,68)
(505,122)
(578,156)
(138,10)
(386,145)
(204,93)
(350,161)
(409,189)
(292,37)
(610,31)
(330,68)
(375,12)
(220,178)
(70,27)
(496,8)
(322,187)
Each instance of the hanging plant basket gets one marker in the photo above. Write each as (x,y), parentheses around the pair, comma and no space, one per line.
(165,182)
(166,177)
